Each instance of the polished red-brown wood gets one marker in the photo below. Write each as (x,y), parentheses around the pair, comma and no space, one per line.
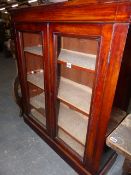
(104,21)
(123,89)
(105,11)
(114,62)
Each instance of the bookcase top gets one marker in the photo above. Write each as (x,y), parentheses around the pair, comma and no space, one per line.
(76,10)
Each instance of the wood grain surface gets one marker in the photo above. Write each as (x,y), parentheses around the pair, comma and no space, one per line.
(120,138)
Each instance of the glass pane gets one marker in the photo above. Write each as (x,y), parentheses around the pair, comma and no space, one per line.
(33,54)
(78,52)
(76,63)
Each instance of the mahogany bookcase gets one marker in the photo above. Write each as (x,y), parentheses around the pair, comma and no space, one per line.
(69,56)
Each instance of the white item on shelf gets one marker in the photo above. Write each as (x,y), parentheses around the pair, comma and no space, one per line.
(78,58)
(76,94)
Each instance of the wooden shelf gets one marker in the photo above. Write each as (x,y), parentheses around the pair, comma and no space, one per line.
(40,110)
(78,148)
(37,50)
(36,79)
(38,101)
(117,115)
(75,94)
(68,119)
(80,59)
(38,117)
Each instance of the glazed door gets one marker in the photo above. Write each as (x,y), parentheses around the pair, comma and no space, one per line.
(76,65)
(32,50)
(79,63)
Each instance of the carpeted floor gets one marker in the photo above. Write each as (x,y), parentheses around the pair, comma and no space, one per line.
(22,152)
